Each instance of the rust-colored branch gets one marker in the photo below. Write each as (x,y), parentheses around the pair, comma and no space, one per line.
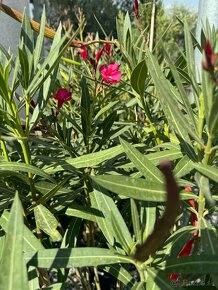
(165,224)
(49,32)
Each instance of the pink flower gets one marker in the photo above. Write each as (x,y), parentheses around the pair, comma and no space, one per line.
(110,73)
(84,52)
(62,96)
(210,56)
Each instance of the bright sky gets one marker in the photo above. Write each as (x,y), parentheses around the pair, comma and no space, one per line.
(188,3)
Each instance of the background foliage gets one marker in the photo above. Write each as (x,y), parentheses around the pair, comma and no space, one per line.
(82,183)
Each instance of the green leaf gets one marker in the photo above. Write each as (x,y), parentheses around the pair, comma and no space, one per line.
(207,170)
(24,67)
(135,221)
(182,91)
(150,283)
(121,274)
(88,160)
(171,154)
(47,222)
(176,119)
(138,77)
(150,219)
(76,257)
(142,163)
(27,35)
(2,243)
(85,110)
(161,279)
(56,286)
(87,213)
(117,224)
(190,55)
(51,61)
(31,243)
(119,234)
(210,97)
(103,223)
(13,271)
(40,39)
(201,264)
(183,167)
(14,166)
(105,109)
(127,31)
(209,243)
(107,124)
(50,193)
(136,188)
(72,233)
(33,278)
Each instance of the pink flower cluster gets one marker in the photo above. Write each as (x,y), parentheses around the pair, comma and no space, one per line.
(110,73)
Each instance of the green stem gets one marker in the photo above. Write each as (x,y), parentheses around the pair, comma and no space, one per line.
(97,282)
(200,125)
(26,153)
(149,118)
(4,150)
(27,116)
(142,275)
(201,198)
(208,150)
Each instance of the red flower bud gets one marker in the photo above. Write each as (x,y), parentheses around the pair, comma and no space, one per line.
(136,8)
(84,52)
(210,57)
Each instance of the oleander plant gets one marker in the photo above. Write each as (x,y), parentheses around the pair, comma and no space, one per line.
(108,161)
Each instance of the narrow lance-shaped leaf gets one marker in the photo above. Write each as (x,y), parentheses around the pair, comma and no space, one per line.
(103,223)
(13,271)
(177,120)
(76,257)
(47,222)
(136,188)
(207,170)
(201,264)
(121,274)
(161,280)
(107,205)
(135,220)
(142,163)
(14,166)
(182,91)
(31,243)
(88,160)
